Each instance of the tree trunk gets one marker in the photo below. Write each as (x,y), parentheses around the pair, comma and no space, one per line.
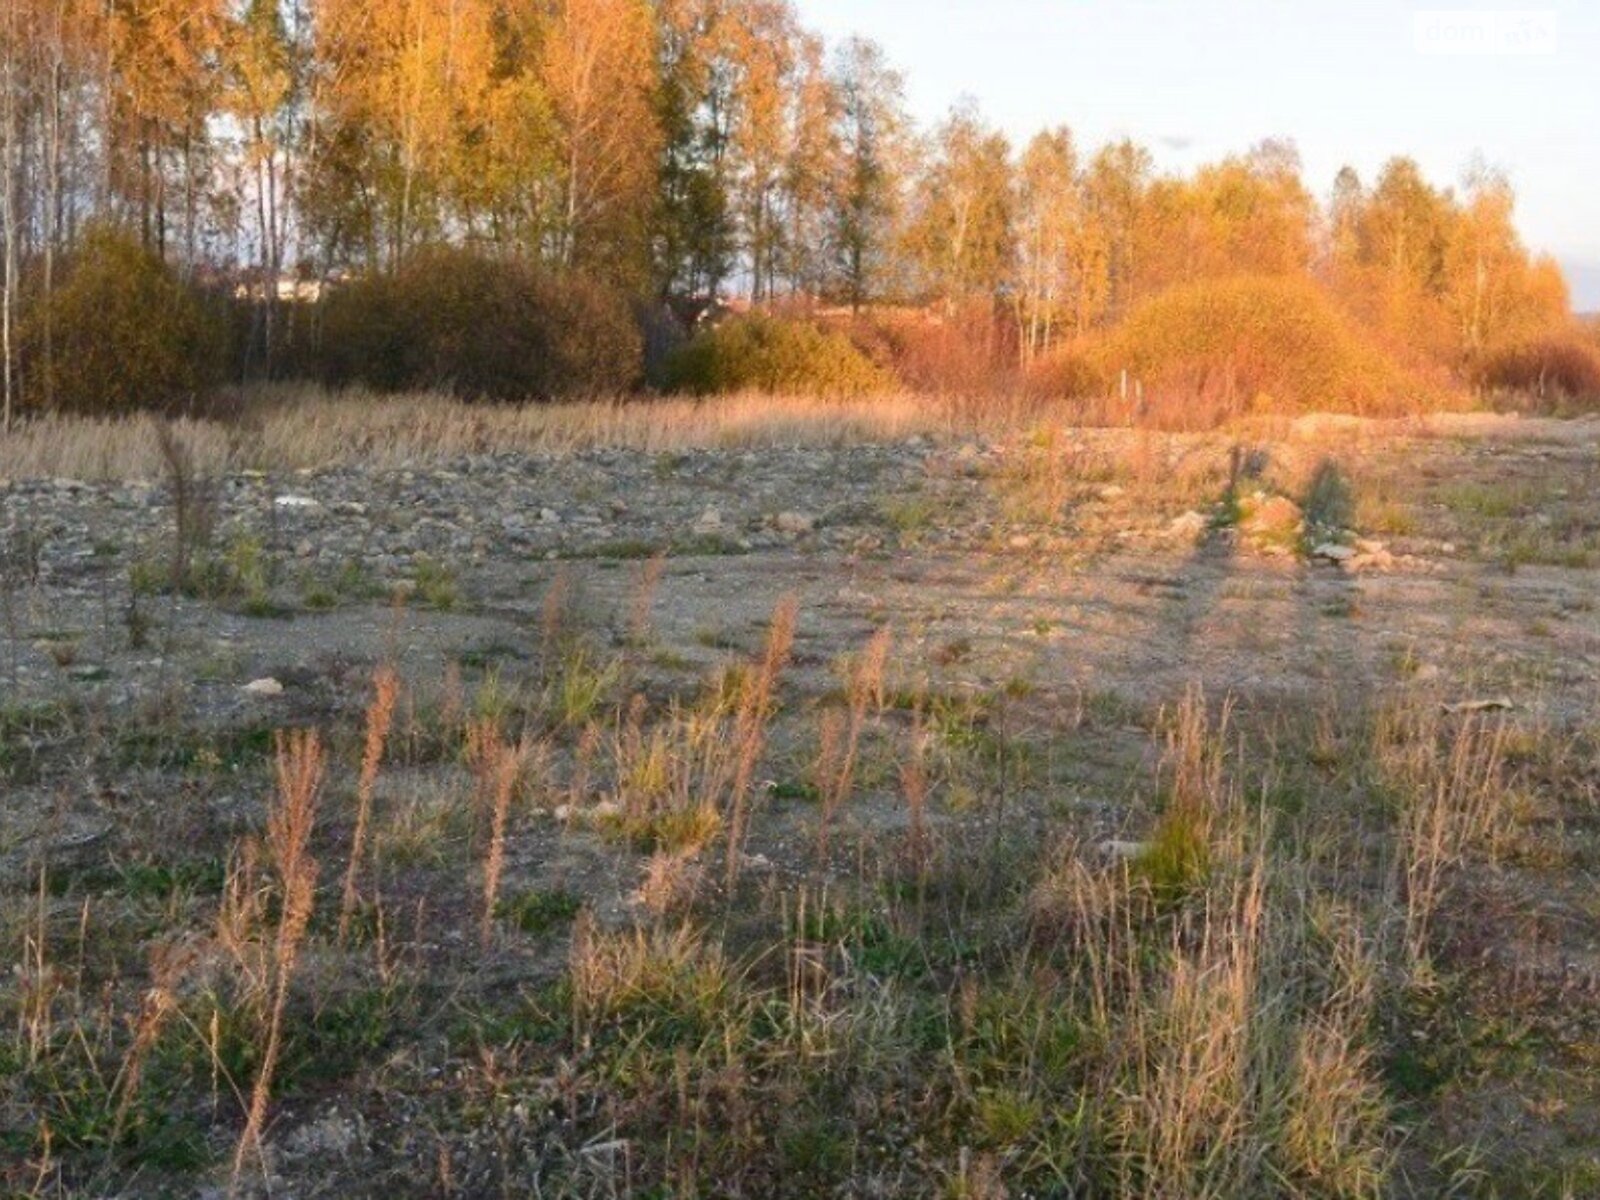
(8,216)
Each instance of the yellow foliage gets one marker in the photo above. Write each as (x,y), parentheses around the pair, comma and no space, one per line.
(481,328)
(1557,366)
(120,331)
(774,355)
(1234,346)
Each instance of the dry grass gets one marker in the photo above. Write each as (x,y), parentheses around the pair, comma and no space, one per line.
(294,427)
(956,997)
(499,768)
(1450,777)
(301,427)
(1204,1020)
(380,716)
(839,746)
(289,826)
(754,712)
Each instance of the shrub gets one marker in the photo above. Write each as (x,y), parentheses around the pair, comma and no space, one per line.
(120,331)
(1072,372)
(482,328)
(761,353)
(972,352)
(1225,348)
(1560,366)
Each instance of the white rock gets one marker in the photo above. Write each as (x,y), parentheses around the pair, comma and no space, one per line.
(1190,525)
(794,522)
(1124,851)
(333,1134)
(1377,560)
(1491,704)
(1334,552)
(263,687)
(295,501)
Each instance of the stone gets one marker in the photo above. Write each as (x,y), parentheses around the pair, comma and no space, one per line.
(1489,704)
(1190,525)
(1374,560)
(263,688)
(334,1134)
(1334,552)
(1271,517)
(1122,851)
(292,501)
(794,522)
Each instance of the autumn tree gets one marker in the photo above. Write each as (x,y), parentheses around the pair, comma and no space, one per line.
(870,130)
(402,93)
(265,72)
(1115,190)
(960,234)
(598,68)
(809,173)
(681,148)
(10,227)
(163,84)
(1345,205)
(761,37)
(691,228)
(1392,272)
(1061,262)
(1494,292)
(1405,228)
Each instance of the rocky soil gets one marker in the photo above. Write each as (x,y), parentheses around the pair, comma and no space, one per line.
(1100,560)
(1069,586)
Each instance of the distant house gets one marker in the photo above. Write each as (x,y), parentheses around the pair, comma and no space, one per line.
(289,289)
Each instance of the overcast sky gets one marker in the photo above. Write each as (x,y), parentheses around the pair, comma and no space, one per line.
(1350,82)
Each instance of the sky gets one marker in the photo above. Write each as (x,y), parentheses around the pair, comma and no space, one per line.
(1351,82)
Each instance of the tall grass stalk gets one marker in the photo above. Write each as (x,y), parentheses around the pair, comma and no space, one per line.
(290,819)
(380,717)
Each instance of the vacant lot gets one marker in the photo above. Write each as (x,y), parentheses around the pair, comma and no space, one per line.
(885,810)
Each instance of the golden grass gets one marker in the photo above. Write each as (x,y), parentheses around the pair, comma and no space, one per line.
(289,825)
(300,427)
(1206,1019)
(291,428)
(380,715)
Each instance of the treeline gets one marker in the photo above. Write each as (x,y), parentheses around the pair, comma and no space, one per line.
(665,153)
